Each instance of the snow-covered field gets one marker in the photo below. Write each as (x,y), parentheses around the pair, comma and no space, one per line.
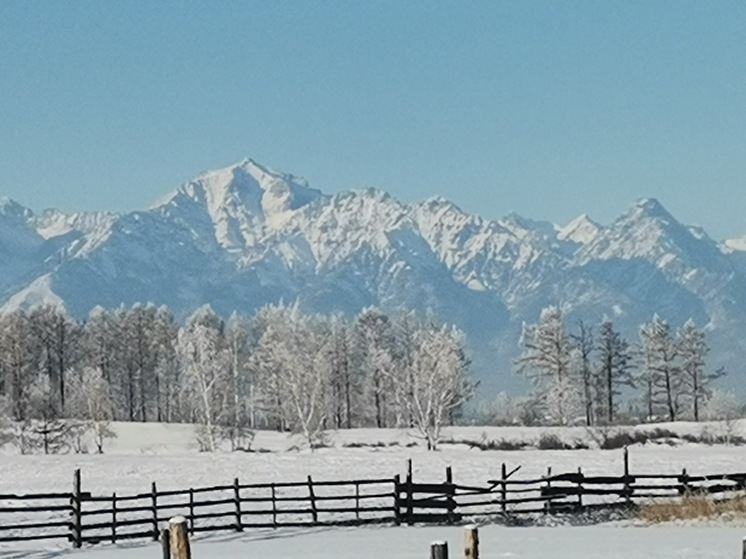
(595,542)
(168,455)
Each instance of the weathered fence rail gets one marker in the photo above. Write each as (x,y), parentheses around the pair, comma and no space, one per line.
(81,517)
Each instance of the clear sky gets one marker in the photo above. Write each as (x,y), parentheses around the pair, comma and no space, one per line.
(546,108)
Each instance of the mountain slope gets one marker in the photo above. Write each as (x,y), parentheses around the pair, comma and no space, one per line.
(245,236)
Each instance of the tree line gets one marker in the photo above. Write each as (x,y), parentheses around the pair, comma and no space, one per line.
(281,369)
(584,373)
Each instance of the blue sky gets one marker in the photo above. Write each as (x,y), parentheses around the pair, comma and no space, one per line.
(545,108)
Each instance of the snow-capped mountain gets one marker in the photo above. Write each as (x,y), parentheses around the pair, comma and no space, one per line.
(245,236)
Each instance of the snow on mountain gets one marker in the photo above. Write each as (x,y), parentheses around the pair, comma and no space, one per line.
(52,223)
(736,244)
(580,230)
(241,203)
(246,235)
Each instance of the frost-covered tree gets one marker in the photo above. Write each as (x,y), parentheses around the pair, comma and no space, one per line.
(345,385)
(91,402)
(614,371)
(45,430)
(20,355)
(374,342)
(293,356)
(58,336)
(660,373)
(440,380)
(547,361)
(583,347)
(205,363)
(238,417)
(695,380)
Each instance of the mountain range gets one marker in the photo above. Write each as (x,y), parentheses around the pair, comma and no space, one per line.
(244,236)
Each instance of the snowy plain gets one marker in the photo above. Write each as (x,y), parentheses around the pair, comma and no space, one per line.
(168,455)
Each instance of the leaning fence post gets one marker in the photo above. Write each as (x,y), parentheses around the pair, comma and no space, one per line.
(237,498)
(504,489)
(179,538)
(77,521)
(439,550)
(154,506)
(312,496)
(471,542)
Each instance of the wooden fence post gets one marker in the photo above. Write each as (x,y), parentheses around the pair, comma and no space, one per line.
(237,497)
(504,490)
(179,538)
(548,501)
(274,506)
(471,542)
(357,501)
(314,512)
(439,550)
(154,506)
(580,488)
(627,486)
(410,495)
(166,543)
(743,549)
(685,489)
(77,509)
(397,502)
(450,500)
(191,510)
(113,518)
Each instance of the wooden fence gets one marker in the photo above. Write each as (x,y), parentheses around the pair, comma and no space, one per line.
(82,517)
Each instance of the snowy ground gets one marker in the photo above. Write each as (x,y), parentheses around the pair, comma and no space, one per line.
(412,543)
(168,455)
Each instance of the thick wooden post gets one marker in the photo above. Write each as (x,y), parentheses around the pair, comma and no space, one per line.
(439,550)
(179,538)
(743,549)
(237,498)
(471,542)
(580,488)
(397,500)
(548,502)
(166,543)
(77,508)
(504,490)
(154,507)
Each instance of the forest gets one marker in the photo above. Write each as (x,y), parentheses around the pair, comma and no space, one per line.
(307,373)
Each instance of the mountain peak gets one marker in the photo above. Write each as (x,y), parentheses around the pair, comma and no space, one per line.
(581,230)
(245,193)
(650,207)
